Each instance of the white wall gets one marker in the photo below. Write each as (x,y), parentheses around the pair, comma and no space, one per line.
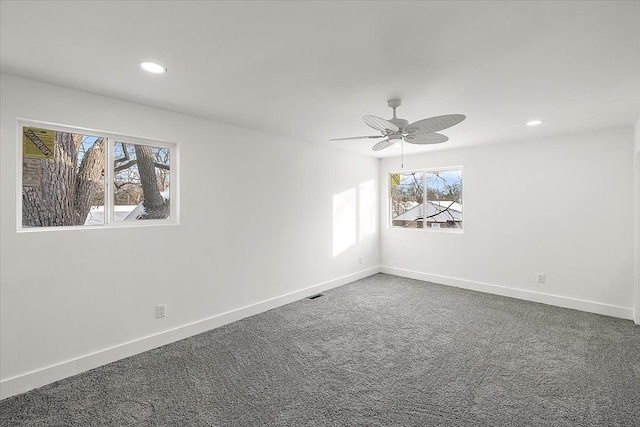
(72,300)
(560,206)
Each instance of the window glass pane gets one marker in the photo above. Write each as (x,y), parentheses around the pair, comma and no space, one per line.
(141,182)
(407,191)
(444,199)
(62,178)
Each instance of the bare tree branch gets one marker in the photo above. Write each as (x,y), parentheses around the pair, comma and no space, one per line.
(125,166)
(134,162)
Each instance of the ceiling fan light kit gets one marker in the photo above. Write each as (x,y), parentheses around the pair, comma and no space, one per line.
(399,130)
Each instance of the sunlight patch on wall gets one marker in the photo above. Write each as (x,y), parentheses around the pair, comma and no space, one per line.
(344,221)
(367,206)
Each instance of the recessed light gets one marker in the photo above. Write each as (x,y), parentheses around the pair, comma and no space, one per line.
(534,122)
(152,67)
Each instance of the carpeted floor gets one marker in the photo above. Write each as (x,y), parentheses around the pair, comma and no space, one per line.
(382,351)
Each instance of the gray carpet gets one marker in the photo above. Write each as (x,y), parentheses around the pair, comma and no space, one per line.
(382,351)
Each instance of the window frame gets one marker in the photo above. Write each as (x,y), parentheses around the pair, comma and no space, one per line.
(425,171)
(111,139)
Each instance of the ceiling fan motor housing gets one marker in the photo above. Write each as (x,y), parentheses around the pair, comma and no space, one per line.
(401,123)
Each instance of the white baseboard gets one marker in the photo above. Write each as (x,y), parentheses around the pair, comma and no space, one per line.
(38,378)
(576,304)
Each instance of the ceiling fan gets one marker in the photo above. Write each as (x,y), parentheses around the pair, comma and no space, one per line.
(398,130)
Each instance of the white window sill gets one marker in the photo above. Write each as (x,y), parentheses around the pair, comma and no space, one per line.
(431,230)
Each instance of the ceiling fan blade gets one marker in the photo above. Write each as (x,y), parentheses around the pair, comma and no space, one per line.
(383,144)
(426,138)
(380,124)
(435,124)
(357,137)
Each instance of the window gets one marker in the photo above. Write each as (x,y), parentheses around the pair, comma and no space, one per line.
(141,182)
(440,207)
(72,178)
(407,196)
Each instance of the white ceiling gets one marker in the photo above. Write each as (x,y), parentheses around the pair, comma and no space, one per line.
(311,70)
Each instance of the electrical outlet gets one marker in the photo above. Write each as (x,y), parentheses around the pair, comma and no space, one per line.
(161,310)
(541,278)
(360,260)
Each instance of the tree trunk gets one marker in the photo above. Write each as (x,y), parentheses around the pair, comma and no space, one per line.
(52,204)
(89,180)
(155,206)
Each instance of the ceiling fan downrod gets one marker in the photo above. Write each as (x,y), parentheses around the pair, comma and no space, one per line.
(401,123)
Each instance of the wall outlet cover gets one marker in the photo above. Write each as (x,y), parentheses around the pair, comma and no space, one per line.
(161,310)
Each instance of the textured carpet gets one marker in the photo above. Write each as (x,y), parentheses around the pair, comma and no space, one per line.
(382,351)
